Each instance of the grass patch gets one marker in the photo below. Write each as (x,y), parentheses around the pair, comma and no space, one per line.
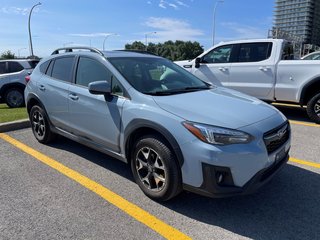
(12,114)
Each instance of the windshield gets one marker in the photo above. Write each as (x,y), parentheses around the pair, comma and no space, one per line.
(157,76)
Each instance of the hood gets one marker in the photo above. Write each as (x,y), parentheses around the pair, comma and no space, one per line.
(186,64)
(219,107)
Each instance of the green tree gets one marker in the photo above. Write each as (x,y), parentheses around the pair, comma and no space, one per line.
(137,45)
(178,50)
(7,55)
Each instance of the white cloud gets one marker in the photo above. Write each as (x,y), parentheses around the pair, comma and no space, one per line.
(173,4)
(92,35)
(172,29)
(181,3)
(15,10)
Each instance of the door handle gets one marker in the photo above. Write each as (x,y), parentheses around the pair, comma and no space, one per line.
(73,96)
(263,68)
(223,69)
(42,88)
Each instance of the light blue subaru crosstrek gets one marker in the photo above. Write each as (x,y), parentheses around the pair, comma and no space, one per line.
(174,130)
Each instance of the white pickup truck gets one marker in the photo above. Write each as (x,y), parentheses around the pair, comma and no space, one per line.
(262,68)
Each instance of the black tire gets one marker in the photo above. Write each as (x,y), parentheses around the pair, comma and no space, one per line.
(14,98)
(155,168)
(40,125)
(313,108)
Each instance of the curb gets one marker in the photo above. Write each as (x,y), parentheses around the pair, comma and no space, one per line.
(15,125)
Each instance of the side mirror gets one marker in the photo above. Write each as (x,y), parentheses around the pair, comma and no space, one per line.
(99,88)
(198,61)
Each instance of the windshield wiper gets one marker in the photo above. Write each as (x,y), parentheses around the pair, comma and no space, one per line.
(198,88)
(178,91)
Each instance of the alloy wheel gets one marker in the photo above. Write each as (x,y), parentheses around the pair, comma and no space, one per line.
(150,169)
(38,124)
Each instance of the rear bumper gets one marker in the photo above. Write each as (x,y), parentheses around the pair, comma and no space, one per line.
(211,188)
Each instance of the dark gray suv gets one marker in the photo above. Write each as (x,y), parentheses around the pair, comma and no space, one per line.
(12,80)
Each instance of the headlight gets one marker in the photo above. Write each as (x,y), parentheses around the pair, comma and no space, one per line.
(217,135)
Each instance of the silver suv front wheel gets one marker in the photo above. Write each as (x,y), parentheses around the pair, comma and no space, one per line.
(155,168)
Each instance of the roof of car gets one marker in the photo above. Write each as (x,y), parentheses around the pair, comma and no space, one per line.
(18,60)
(107,54)
(127,53)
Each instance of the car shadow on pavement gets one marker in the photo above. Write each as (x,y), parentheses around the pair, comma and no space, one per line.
(94,156)
(286,208)
(295,113)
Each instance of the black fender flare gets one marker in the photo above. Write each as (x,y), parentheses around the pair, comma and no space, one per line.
(137,124)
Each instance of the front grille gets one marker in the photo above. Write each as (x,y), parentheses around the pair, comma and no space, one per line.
(276,137)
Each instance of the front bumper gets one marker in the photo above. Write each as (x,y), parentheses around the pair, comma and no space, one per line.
(211,188)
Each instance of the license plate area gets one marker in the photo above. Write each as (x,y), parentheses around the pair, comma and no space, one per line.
(280,155)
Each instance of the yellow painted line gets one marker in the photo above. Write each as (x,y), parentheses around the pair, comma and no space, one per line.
(287,105)
(304,123)
(310,164)
(129,208)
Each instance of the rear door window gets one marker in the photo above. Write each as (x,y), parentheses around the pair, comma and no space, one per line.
(254,52)
(63,68)
(3,68)
(15,67)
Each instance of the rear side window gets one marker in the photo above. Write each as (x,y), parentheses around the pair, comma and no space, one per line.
(3,68)
(44,67)
(254,52)
(15,67)
(62,69)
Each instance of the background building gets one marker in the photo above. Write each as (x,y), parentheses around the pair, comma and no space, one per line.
(297,20)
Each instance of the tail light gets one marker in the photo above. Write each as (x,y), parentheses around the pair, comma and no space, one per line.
(27,78)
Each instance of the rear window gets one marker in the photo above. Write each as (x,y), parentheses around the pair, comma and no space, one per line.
(33,63)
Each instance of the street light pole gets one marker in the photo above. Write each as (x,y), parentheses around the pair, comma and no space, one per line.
(146,36)
(108,35)
(214,19)
(30,39)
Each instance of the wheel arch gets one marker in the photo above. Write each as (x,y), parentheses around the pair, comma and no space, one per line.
(141,127)
(309,90)
(7,86)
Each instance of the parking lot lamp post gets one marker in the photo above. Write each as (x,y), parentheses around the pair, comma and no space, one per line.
(30,39)
(214,19)
(108,35)
(146,36)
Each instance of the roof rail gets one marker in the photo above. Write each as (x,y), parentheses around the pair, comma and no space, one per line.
(138,51)
(70,49)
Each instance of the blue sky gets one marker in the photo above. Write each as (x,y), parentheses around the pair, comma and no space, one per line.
(86,22)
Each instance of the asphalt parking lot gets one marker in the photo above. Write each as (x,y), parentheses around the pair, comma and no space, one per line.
(68,191)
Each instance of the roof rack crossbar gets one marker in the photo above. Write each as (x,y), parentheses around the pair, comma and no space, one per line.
(70,49)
